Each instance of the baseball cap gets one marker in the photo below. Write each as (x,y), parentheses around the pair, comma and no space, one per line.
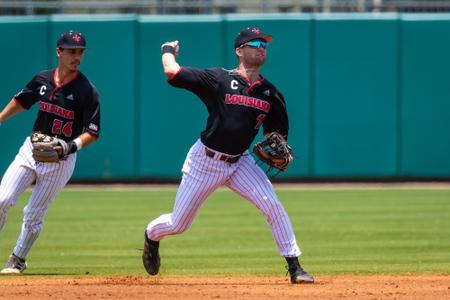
(72,40)
(250,33)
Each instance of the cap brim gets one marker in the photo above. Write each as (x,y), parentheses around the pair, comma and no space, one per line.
(71,47)
(267,37)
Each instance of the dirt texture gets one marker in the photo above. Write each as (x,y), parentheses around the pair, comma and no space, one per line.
(220,287)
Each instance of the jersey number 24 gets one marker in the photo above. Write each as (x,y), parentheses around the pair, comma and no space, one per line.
(59,127)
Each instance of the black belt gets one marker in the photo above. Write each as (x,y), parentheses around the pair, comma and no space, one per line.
(226,158)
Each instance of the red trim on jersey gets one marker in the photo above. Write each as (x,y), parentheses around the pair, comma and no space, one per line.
(18,102)
(58,87)
(251,85)
(243,76)
(255,84)
(52,94)
(174,75)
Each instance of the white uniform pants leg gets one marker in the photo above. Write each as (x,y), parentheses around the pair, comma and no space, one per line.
(50,179)
(16,179)
(202,175)
(250,181)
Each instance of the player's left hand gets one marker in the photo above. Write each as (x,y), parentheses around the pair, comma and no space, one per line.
(274,151)
(48,148)
(44,147)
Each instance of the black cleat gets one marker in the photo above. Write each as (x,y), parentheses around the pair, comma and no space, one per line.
(298,275)
(150,257)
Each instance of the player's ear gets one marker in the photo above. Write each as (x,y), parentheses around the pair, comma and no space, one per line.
(58,52)
(238,52)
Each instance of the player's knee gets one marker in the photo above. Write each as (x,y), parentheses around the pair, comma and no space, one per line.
(179,227)
(179,230)
(181,223)
(275,210)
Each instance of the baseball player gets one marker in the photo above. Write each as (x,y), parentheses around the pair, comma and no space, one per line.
(239,102)
(69,110)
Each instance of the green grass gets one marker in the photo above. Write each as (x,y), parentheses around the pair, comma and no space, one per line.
(384,231)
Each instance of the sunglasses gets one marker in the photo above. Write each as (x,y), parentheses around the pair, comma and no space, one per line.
(255,44)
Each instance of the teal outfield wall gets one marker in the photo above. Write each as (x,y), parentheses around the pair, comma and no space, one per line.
(367,94)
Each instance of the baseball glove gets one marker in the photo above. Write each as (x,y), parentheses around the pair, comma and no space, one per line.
(274,151)
(47,148)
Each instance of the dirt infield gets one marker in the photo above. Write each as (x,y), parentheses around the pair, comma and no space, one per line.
(216,287)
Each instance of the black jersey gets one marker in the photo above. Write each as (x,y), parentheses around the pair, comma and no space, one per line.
(236,108)
(64,111)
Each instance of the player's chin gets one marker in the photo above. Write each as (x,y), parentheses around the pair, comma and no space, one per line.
(260,60)
(74,67)
(75,64)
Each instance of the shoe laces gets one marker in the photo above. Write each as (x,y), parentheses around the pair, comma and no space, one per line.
(19,264)
(294,268)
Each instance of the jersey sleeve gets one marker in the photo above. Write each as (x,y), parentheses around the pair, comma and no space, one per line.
(91,114)
(28,95)
(277,118)
(195,80)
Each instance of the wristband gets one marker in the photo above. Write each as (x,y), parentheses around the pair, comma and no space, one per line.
(168,49)
(78,143)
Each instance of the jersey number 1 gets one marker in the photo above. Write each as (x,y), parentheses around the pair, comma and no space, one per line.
(58,128)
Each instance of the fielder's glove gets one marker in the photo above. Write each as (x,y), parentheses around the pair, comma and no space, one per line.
(48,149)
(274,151)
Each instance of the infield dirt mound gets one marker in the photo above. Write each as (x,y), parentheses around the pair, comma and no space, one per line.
(219,287)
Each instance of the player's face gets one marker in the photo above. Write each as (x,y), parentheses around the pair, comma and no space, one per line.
(70,58)
(254,52)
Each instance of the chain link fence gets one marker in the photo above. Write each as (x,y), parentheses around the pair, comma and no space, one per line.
(29,7)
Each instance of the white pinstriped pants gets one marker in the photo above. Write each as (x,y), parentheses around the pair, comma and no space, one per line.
(202,175)
(50,178)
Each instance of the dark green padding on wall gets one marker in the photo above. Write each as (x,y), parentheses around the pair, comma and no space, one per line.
(23,48)
(355,96)
(425,96)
